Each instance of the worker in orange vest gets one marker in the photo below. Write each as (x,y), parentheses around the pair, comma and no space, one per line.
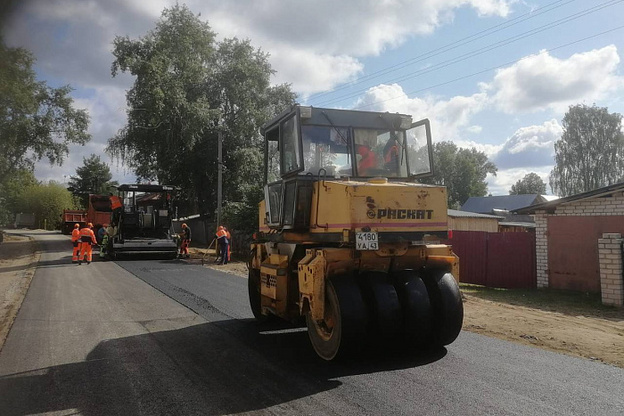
(186,240)
(75,237)
(116,207)
(87,239)
(223,244)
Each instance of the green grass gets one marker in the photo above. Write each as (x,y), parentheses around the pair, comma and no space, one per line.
(563,301)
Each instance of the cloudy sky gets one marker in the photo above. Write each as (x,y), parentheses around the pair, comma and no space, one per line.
(497,75)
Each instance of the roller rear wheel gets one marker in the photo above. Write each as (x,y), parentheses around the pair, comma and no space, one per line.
(344,322)
(447,306)
(385,316)
(416,307)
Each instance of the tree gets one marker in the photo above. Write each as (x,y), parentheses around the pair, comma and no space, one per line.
(188,88)
(93,177)
(590,153)
(47,202)
(11,190)
(462,171)
(530,184)
(36,121)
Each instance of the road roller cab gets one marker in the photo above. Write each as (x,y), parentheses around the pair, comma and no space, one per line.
(348,238)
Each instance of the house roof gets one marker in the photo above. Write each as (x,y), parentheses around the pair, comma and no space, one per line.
(486,204)
(466,214)
(551,205)
(517,224)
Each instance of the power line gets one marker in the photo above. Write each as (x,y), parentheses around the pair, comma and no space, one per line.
(453,45)
(484,49)
(488,69)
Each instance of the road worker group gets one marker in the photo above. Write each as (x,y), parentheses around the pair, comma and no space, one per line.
(223,238)
(83,239)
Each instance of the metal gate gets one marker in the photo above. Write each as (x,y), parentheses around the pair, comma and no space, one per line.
(573,250)
(505,260)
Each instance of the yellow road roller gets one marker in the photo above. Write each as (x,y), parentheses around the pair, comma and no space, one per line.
(348,237)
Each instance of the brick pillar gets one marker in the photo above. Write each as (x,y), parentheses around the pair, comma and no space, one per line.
(541,248)
(610,259)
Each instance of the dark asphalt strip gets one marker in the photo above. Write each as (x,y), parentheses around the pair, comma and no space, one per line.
(475,375)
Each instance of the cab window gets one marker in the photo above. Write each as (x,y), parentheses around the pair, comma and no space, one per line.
(291,153)
(380,153)
(272,156)
(326,150)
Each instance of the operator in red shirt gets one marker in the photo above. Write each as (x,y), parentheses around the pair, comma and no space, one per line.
(369,160)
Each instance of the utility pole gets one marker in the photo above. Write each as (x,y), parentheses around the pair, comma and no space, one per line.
(219,174)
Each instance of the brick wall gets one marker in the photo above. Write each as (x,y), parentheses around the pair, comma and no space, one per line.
(612,205)
(611,279)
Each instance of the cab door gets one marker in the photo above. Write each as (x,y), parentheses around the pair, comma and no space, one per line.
(419,149)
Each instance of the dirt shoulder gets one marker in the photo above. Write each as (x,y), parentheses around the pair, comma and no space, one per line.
(18,260)
(597,335)
(564,323)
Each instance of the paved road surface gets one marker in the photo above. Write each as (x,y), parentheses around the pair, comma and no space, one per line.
(165,337)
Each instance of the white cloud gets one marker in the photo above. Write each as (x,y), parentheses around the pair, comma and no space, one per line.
(313,45)
(531,146)
(529,149)
(542,81)
(474,129)
(337,28)
(491,8)
(447,117)
(314,72)
(490,150)
(347,29)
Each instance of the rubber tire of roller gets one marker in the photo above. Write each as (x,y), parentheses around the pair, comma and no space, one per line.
(385,315)
(447,305)
(417,309)
(344,297)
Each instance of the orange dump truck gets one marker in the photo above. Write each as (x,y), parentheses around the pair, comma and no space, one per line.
(98,212)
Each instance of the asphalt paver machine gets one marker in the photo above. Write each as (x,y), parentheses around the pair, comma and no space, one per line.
(145,223)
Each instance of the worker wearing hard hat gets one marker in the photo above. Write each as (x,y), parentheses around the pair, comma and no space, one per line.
(87,239)
(223,244)
(75,239)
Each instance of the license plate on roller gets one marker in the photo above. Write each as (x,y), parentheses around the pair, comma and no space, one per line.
(366,241)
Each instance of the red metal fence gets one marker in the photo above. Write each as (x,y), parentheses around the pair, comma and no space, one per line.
(505,260)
